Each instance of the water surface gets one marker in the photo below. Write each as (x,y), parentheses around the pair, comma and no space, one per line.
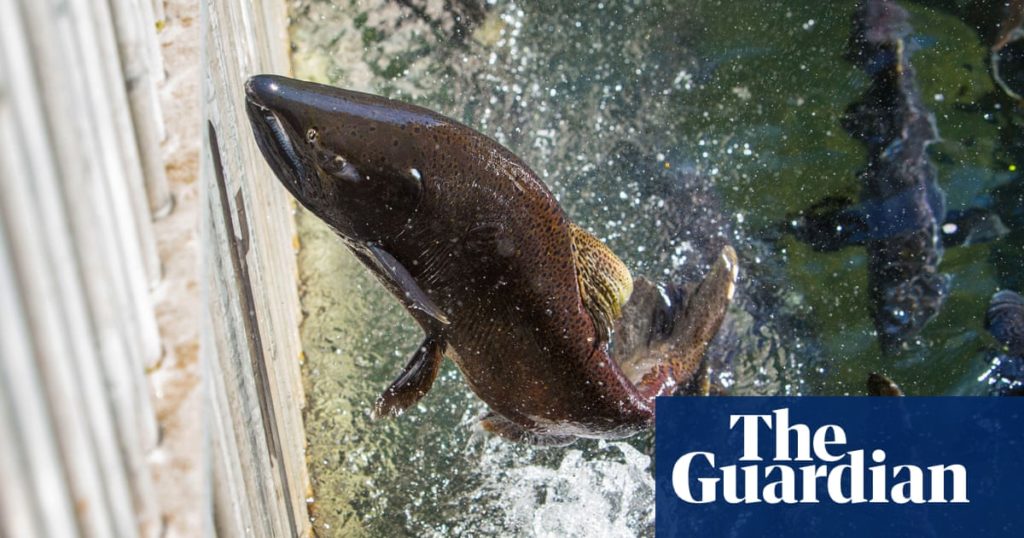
(657,124)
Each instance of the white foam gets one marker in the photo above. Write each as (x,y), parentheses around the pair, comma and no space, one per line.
(614,493)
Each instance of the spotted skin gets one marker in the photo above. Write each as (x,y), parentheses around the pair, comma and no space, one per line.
(478,233)
(604,281)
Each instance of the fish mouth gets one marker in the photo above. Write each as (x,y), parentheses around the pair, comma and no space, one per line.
(274,137)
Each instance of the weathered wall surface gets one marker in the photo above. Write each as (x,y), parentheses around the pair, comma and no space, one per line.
(250,343)
(105,428)
(77,262)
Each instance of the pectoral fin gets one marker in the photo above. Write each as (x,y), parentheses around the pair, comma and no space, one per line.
(415,380)
(399,277)
(604,281)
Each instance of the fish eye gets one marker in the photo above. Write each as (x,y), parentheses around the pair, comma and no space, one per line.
(311,135)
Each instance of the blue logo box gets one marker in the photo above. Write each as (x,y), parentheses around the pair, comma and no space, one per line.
(866,466)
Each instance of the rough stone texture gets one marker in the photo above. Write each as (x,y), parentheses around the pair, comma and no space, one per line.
(177,461)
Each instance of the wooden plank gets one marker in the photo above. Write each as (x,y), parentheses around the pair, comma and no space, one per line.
(76,265)
(83,322)
(41,251)
(252,301)
(95,32)
(249,411)
(267,211)
(33,487)
(111,222)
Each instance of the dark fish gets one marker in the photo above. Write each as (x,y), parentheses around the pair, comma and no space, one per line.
(1000,26)
(1005,321)
(479,252)
(836,223)
(901,206)
(879,385)
(1007,46)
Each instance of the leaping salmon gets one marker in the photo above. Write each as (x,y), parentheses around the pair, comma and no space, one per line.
(482,256)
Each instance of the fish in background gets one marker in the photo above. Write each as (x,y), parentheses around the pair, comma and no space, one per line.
(1004,32)
(880,385)
(1005,321)
(901,207)
(1000,27)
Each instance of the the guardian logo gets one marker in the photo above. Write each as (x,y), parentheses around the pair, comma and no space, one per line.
(809,466)
(839,466)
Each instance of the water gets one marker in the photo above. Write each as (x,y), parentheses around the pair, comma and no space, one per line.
(664,128)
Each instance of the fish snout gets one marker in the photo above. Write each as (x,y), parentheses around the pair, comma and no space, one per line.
(263,90)
(276,135)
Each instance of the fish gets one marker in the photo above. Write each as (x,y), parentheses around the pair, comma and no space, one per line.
(1004,320)
(880,385)
(1000,27)
(481,255)
(837,222)
(1003,32)
(902,207)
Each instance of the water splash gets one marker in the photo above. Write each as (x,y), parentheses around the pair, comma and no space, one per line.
(612,486)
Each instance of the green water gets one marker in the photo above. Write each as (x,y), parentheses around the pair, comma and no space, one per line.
(745,95)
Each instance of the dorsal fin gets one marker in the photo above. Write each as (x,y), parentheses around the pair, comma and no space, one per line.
(605,282)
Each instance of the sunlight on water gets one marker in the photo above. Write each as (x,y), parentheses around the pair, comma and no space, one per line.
(613,489)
